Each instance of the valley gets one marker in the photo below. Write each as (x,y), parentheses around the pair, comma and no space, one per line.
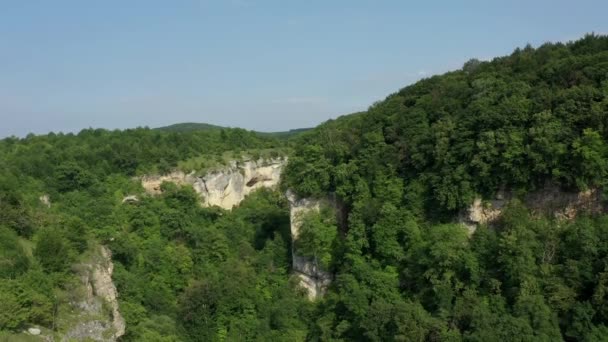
(468,206)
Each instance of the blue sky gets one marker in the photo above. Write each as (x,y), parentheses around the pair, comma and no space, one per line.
(265,65)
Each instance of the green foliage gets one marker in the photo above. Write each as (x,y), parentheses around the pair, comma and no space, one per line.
(13,258)
(317,236)
(21,304)
(589,153)
(400,173)
(12,312)
(211,274)
(309,172)
(406,167)
(52,250)
(70,176)
(518,121)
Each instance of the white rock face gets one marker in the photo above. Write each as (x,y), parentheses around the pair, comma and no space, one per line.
(103,287)
(45,200)
(34,331)
(152,183)
(96,277)
(227,187)
(481,212)
(548,201)
(314,279)
(130,199)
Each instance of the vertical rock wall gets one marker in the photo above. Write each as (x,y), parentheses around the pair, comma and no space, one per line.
(99,290)
(314,279)
(227,187)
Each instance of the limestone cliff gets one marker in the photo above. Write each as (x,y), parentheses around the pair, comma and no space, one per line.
(312,278)
(97,313)
(550,200)
(225,187)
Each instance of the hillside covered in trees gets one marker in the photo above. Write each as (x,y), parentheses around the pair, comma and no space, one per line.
(411,163)
(403,268)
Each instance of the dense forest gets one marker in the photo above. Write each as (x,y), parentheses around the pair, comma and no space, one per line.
(403,268)
(165,249)
(406,167)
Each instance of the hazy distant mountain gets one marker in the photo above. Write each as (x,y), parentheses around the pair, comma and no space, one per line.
(194,126)
(188,127)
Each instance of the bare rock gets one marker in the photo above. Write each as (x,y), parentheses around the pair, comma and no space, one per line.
(98,288)
(45,200)
(130,199)
(92,330)
(311,276)
(104,287)
(226,187)
(550,200)
(33,331)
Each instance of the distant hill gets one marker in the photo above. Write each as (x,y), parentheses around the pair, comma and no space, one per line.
(188,127)
(193,126)
(286,134)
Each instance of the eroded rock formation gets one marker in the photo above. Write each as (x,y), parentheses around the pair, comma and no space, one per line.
(99,291)
(312,277)
(550,200)
(226,187)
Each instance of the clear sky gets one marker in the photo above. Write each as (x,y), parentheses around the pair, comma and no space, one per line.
(265,65)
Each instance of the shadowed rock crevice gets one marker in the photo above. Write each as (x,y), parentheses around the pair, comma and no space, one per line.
(257,179)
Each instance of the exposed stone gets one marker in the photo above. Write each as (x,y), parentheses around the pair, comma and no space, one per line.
(152,183)
(45,200)
(565,205)
(315,286)
(481,212)
(130,199)
(551,200)
(104,287)
(92,330)
(96,278)
(226,187)
(33,331)
(312,277)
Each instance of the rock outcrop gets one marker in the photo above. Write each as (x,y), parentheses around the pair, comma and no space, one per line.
(481,212)
(225,187)
(101,318)
(130,199)
(45,200)
(103,287)
(550,200)
(312,277)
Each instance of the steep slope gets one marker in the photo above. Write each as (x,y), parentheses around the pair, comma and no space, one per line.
(519,143)
(515,146)
(311,274)
(517,122)
(97,317)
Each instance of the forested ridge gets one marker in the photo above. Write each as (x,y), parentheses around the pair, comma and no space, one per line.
(405,169)
(403,268)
